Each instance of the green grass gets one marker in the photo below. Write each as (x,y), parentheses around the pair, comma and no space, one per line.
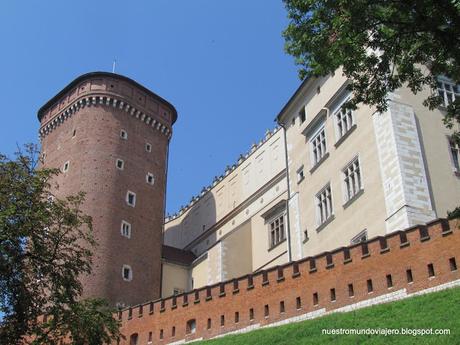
(440,310)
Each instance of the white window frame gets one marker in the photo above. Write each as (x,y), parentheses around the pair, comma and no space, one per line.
(124,224)
(300,174)
(273,239)
(350,167)
(324,204)
(149,174)
(454,153)
(148,147)
(122,164)
(130,277)
(313,140)
(134,198)
(66,167)
(123,134)
(345,113)
(447,90)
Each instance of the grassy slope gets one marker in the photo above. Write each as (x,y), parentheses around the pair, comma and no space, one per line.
(435,310)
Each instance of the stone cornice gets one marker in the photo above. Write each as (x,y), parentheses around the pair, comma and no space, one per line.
(103,100)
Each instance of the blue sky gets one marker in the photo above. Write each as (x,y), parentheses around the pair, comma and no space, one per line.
(221,63)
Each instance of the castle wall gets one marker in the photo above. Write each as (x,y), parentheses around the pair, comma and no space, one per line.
(382,263)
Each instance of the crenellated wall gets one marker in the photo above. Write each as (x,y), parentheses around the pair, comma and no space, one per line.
(416,260)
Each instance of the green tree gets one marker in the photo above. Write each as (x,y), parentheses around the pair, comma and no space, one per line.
(380,44)
(45,245)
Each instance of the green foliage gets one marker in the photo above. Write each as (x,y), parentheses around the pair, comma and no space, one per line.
(380,44)
(45,245)
(437,310)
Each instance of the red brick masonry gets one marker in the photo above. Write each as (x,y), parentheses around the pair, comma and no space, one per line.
(378,270)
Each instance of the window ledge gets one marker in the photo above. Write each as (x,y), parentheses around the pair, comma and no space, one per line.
(276,245)
(405,244)
(326,155)
(236,291)
(353,198)
(326,223)
(299,181)
(345,136)
(347,261)
(384,250)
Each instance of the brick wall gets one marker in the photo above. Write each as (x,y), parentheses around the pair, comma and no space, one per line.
(346,278)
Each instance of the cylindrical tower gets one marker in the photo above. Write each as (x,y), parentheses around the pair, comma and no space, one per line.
(109,136)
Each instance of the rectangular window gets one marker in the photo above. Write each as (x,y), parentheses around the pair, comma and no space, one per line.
(148,147)
(352,179)
(455,154)
(324,204)
(127,273)
(150,337)
(318,146)
(344,121)
(251,314)
(282,308)
(131,198)
(300,175)
(315,298)
(266,310)
(66,166)
(173,331)
(302,115)
(125,229)
(237,317)
(448,91)
(430,268)
(209,323)
(389,281)
(120,164)
(276,228)
(150,179)
(452,264)
(410,278)
(222,320)
(123,134)
(161,334)
(370,287)
(351,290)
(298,303)
(333,295)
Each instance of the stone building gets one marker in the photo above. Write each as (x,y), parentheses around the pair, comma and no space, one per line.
(326,177)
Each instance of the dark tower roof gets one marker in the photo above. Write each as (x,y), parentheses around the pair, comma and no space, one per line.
(79,79)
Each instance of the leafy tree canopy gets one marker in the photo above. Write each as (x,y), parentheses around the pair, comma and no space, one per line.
(380,44)
(45,245)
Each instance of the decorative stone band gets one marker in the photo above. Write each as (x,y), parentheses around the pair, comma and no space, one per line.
(103,101)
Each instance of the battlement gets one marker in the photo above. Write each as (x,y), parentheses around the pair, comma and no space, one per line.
(381,269)
(218,179)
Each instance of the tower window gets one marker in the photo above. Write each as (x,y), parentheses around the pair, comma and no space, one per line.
(66,166)
(150,179)
(370,287)
(120,164)
(131,198)
(430,270)
(251,314)
(125,229)
(123,134)
(127,273)
(74,132)
(148,147)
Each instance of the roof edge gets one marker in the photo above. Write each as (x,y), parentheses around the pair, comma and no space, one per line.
(82,77)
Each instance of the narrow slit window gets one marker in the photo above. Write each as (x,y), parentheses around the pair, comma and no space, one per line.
(131,198)
(150,179)
(430,268)
(410,278)
(452,264)
(370,286)
(389,281)
(120,164)
(351,290)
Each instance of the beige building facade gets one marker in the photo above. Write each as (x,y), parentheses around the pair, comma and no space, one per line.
(326,178)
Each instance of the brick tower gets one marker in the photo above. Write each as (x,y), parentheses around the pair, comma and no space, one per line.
(109,135)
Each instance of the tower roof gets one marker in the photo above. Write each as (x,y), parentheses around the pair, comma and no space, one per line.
(79,79)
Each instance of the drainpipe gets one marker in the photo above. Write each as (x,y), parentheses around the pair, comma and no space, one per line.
(288,229)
